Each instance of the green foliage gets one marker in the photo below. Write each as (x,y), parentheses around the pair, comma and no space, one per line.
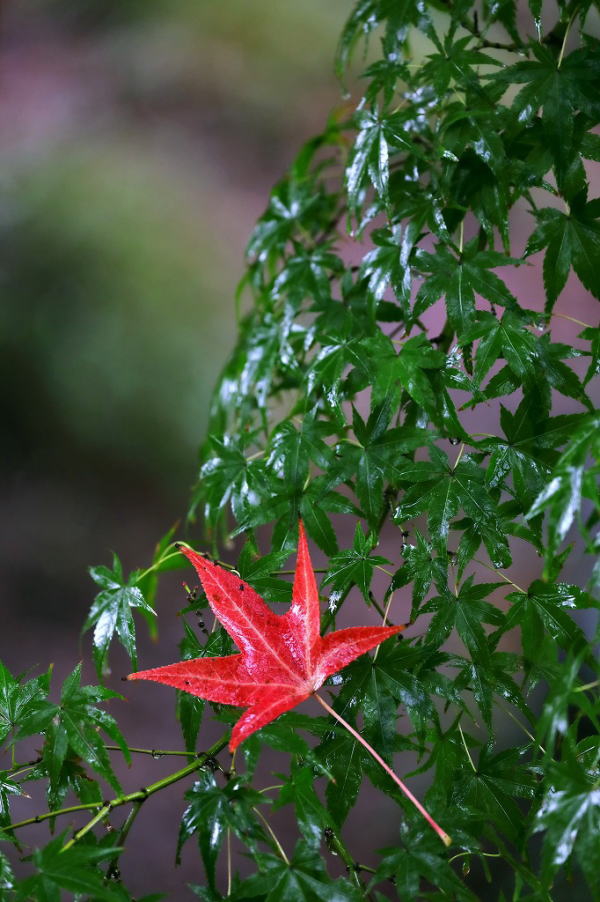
(365,368)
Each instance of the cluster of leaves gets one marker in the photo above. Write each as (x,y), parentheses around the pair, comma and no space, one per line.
(383,326)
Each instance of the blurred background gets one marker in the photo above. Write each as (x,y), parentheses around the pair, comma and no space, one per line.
(140,139)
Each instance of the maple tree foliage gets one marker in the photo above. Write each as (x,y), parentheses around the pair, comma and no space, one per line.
(433,425)
(283,657)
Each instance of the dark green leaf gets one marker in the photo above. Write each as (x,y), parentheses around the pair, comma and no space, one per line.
(75,870)
(111,613)
(213,810)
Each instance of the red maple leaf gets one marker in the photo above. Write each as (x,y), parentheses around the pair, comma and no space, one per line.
(283,659)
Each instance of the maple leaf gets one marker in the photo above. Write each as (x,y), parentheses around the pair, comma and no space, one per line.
(283,659)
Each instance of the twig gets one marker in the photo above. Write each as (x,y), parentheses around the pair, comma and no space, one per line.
(136,797)
(87,806)
(142,794)
(337,845)
(113,867)
(155,753)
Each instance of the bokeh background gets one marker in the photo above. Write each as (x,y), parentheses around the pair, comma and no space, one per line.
(140,139)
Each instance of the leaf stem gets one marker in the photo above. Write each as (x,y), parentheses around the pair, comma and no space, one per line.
(229,867)
(572,319)
(161,560)
(565,38)
(384,621)
(378,608)
(271,833)
(483,855)
(18,769)
(461,451)
(383,570)
(500,574)
(466,748)
(441,833)
(522,727)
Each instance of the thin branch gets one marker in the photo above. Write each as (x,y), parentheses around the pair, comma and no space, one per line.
(88,806)
(142,794)
(155,753)
(113,867)
(441,833)
(138,796)
(337,845)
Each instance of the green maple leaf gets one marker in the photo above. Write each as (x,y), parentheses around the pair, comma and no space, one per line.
(312,816)
(353,566)
(465,612)
(459,279)
(569,480)
(72,732)
(389,264)
(8,787)
(508,338)
(441,491)
(488,790)
(20,700)
(421,567)
(111,612)
(378,136)
(453,64)
(570,816)
(546,608)
(302,879)
(414,865)
(572,240)
(214,809)
(75,870)
(561,88)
